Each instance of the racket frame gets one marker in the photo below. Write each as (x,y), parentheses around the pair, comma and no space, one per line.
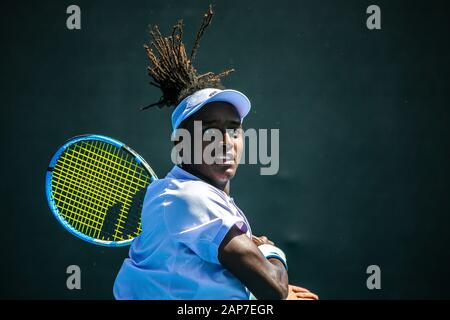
(48,185)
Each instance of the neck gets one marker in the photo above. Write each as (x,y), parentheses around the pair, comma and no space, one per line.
(225,187)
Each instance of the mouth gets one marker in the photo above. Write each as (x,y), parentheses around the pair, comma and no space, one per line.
(227,159)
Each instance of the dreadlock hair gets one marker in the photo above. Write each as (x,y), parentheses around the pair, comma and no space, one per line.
(171,69)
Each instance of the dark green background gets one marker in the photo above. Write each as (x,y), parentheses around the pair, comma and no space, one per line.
(363,118)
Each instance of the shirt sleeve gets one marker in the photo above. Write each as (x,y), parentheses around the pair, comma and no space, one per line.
(200,219)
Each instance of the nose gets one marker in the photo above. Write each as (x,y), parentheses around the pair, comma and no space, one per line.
(227,141)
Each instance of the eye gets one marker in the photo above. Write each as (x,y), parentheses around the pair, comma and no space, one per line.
(207,130)
(211,132)
(235,132)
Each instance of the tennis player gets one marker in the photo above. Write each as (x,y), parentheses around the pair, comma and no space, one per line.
(196,243)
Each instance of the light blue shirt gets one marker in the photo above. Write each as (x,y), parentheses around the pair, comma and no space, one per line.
(184,220)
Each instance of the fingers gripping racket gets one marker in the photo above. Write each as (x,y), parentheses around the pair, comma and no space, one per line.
(95,187)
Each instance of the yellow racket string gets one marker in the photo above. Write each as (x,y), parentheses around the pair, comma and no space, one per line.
(89,179)
(83,220)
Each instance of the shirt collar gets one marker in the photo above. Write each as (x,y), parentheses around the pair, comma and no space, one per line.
(179,173)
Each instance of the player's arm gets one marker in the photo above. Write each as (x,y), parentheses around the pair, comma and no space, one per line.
(265,278)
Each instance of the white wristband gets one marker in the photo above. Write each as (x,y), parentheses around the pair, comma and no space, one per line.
(270,251)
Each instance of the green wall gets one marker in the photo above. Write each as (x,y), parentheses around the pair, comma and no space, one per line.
(363,118)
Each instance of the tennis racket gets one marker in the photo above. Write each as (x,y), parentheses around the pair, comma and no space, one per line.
(95,187)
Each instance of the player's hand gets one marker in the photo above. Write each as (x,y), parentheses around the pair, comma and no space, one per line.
(299,293)
(261,240)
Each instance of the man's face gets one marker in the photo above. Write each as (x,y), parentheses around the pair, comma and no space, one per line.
(224,119)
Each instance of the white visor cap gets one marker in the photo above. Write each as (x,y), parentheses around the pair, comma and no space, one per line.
(191,104)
